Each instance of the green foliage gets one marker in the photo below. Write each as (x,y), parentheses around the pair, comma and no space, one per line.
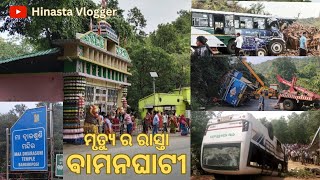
(297,128)
(306,70)
(43,30)
(147,58)
(10,49)
(137,21)
(165,51)
(173,37)
(206,75)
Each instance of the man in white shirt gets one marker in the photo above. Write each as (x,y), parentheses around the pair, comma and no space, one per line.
(165,122)
(239,41)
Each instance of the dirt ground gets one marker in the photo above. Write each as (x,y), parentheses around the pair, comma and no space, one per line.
(291,165)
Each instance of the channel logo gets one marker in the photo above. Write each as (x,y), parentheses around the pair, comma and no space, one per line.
(18,11)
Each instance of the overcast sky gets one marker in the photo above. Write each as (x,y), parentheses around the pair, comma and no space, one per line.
(155,11)
(289,9)
(5,107)
(261,114)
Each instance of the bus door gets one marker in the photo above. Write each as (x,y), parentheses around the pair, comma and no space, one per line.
(229,24)
(218,23)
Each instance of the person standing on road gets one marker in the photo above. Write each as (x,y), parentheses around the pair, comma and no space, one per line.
(239,42)
(155,123)
(165,122)
(303,45)
(129,123)
(146,123)
(261,102)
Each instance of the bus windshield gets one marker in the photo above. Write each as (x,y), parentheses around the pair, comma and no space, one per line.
(223,156)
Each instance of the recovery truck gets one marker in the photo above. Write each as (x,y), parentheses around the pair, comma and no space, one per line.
(296,97)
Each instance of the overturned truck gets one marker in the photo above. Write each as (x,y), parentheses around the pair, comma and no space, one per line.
(235,89)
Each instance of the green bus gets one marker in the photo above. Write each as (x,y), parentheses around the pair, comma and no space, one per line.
(220,29)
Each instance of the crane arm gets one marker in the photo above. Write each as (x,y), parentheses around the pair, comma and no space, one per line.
(294,87)
(244,62)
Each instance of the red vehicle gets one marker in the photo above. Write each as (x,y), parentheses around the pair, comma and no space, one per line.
(296,97)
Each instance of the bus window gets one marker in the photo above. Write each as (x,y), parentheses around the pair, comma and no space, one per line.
(236,22)
(200,20)
(246,23)
(218,23)
(229,29)
(259,23)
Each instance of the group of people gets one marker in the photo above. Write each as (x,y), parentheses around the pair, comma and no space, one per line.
(111,122)
(300,153)
(204,50)
(158,120)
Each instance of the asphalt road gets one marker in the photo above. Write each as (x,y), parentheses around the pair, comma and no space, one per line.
(252,105)
(177,145)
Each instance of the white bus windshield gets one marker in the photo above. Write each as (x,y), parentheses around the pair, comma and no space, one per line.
(221,156)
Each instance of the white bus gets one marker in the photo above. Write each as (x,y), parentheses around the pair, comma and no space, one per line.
(220,29)
(241,145)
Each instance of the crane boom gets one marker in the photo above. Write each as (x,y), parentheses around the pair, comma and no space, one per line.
(294,87)
(244,62)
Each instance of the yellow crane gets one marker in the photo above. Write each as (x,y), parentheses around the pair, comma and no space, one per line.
(271,91)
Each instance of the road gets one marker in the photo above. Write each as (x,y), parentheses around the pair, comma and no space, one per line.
(178,145)
(252,105)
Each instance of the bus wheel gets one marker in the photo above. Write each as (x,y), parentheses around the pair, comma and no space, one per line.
(288,105)
(275,47)
(231,47)
(261,52)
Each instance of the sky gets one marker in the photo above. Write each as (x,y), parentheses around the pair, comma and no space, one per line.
(155,11)
(289,9)
(261,114)
(5,107)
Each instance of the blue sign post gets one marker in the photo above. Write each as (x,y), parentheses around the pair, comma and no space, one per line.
(29,141)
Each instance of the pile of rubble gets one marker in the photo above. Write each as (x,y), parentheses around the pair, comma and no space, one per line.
(292,34)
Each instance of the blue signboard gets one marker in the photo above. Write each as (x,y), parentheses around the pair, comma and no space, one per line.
(234,92)
(29,141)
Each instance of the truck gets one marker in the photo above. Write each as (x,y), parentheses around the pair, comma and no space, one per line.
(296,97)
(233,89)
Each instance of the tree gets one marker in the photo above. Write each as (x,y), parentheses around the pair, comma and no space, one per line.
(280,127)
(10,49)
(145,59)
(20,109)
(114,4)
(283,67)
(43,30)
(123,29)
(137,21)
(257,8)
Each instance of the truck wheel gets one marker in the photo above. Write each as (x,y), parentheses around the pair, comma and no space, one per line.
(288,105)
(261,52)
(276,47)
(231,47)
